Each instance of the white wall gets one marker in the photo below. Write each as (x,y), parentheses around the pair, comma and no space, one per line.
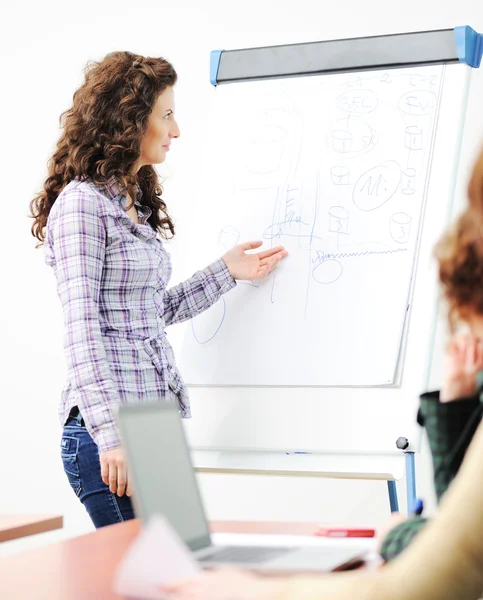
(43,50)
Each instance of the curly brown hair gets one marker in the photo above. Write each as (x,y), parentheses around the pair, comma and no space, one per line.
(460,255)
(102,133)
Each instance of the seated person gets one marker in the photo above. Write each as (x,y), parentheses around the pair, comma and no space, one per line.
(451,418)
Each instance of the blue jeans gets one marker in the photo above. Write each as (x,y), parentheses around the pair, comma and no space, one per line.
(80,457)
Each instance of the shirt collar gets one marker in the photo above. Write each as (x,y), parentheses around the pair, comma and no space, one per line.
(115,191)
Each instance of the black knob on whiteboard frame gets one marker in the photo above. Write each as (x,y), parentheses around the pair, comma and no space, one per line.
(402,443)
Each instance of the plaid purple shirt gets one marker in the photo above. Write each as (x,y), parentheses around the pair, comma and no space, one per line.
(112,276)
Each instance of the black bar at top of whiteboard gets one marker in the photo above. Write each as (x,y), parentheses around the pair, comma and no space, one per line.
(333,56)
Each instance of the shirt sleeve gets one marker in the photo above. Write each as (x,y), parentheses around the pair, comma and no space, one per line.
(196,294)
(78,242)
(400,537)
(450,427)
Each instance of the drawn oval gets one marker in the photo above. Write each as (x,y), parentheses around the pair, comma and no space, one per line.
(376,186)
(357,101)
(417,102)
(206,325)
(327,271)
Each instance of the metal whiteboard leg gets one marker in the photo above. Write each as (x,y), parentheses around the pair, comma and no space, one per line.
(391,486)
(410,481)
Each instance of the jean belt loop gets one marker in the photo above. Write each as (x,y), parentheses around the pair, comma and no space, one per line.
(80,420)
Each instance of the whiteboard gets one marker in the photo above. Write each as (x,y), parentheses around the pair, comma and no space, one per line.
(336,169)
(243,400)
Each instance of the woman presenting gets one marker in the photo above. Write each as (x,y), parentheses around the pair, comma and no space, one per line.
(102,219)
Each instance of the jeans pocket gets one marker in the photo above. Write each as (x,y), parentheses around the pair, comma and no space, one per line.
(69,452)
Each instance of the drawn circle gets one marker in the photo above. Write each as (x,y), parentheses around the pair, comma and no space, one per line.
(208,324)
(328,271)
(338,212)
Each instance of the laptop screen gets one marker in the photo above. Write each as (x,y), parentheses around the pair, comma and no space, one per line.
(160,465)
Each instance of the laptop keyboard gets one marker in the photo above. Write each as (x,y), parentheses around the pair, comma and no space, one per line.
(244,554)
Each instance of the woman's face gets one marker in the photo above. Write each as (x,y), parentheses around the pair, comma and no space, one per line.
(162,128)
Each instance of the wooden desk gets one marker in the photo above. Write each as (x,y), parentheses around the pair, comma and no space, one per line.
(13,527)
(84,567)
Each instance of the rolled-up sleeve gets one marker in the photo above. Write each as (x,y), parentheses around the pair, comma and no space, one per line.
(78,244)
(198,293)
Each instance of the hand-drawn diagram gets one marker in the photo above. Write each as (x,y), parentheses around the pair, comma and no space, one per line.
(400,227)
(417,103)
(337,175)
(229,237)
(357,102)
(340,175)
(417,108)
(339,219)
(414,138)
(353,136)
(327,271)
(378,185)
(205,329)
(288,216)
(342,141)
(408,184)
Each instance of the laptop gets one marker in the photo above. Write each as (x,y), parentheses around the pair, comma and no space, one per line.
(165,483)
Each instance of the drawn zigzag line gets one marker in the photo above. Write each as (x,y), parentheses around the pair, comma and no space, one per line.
(367,252)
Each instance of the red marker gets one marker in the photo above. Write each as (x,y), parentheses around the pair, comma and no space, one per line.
(339,532)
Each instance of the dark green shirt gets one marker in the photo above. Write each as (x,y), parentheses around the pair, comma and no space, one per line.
(450,427)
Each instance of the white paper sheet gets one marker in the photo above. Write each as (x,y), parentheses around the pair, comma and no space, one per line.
(156,557)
